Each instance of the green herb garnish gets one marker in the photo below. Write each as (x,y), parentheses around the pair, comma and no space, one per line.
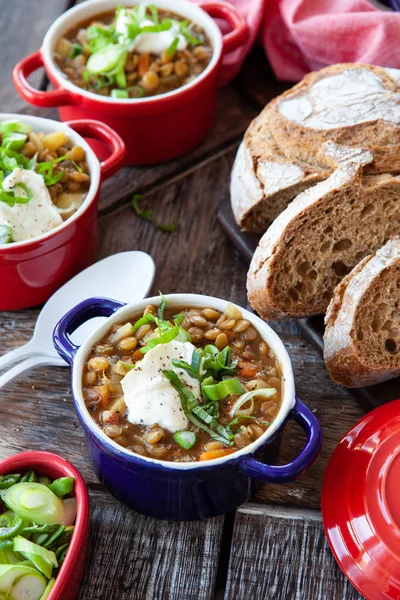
(76,50)
(172,49)
(144,214)
(186,439)
(5,238)
(148,215)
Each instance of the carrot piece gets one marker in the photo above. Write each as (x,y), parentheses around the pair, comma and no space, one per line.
(104,392)
(210,454)
(143,64)
(247,369)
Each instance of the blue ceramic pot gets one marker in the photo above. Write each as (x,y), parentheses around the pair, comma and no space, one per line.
(181,491)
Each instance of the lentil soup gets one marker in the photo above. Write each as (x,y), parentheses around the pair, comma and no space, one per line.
(44,180)
(133,52)
(183,384)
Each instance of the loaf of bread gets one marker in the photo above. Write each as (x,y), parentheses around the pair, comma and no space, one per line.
(322,235)
(350,104)
(362,333)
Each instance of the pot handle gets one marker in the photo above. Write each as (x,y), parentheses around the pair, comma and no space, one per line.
(45,99)
(82,312)
(285,473)
(240,31)
(104,133)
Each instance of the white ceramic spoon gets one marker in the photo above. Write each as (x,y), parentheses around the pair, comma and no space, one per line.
(126,276)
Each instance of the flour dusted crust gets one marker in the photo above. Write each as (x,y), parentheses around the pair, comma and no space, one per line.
(350,104)
(321,236)
(281,156)
(362,333)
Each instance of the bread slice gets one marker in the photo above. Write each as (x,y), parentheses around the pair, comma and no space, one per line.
(263,180)
(362,334)
(350,104)
(322,235)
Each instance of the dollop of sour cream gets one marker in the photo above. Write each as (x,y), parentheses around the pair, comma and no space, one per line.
(149,396)
(34,218)
(153,42)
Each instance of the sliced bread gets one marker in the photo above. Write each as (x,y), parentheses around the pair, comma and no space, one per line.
(362,333)
(280,157)
(322,235)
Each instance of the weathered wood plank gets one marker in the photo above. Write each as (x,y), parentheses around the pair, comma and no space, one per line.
(132,556)
(233,118)
(24,27)
(280,554)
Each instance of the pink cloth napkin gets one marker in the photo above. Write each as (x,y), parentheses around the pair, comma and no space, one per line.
(305,35)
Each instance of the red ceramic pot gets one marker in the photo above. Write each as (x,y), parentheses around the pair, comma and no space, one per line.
(32,270)
(156,128)
(54,466)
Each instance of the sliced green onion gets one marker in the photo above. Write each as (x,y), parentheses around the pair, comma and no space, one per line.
(76,50)
(29,476)
(237,409)
(196,359)
(186,439)
(182,335)
(178,319)
(154,13)
(10,198)
(10,526)
(147,318)
(11,577)
(14,140)
(172,48)
(48,589)
(119,94)
(171,334)
(35,502)
(22,545)
(187,397)
(221,390)
(9,126)
(62,486)
(7,481)
(181,364)
(162,307)
(55,536)
(107,59)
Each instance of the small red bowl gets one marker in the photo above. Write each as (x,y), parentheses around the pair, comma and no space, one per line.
(54,466)
(32,270)
(155,128)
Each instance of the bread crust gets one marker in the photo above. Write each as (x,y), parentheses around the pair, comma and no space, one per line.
(270,253)
(345,363)
(281,158)
(263,181)
(382,135)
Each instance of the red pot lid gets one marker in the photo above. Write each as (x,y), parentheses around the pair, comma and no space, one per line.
(361,503)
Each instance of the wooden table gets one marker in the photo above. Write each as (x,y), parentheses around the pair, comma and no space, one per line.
(274,546)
